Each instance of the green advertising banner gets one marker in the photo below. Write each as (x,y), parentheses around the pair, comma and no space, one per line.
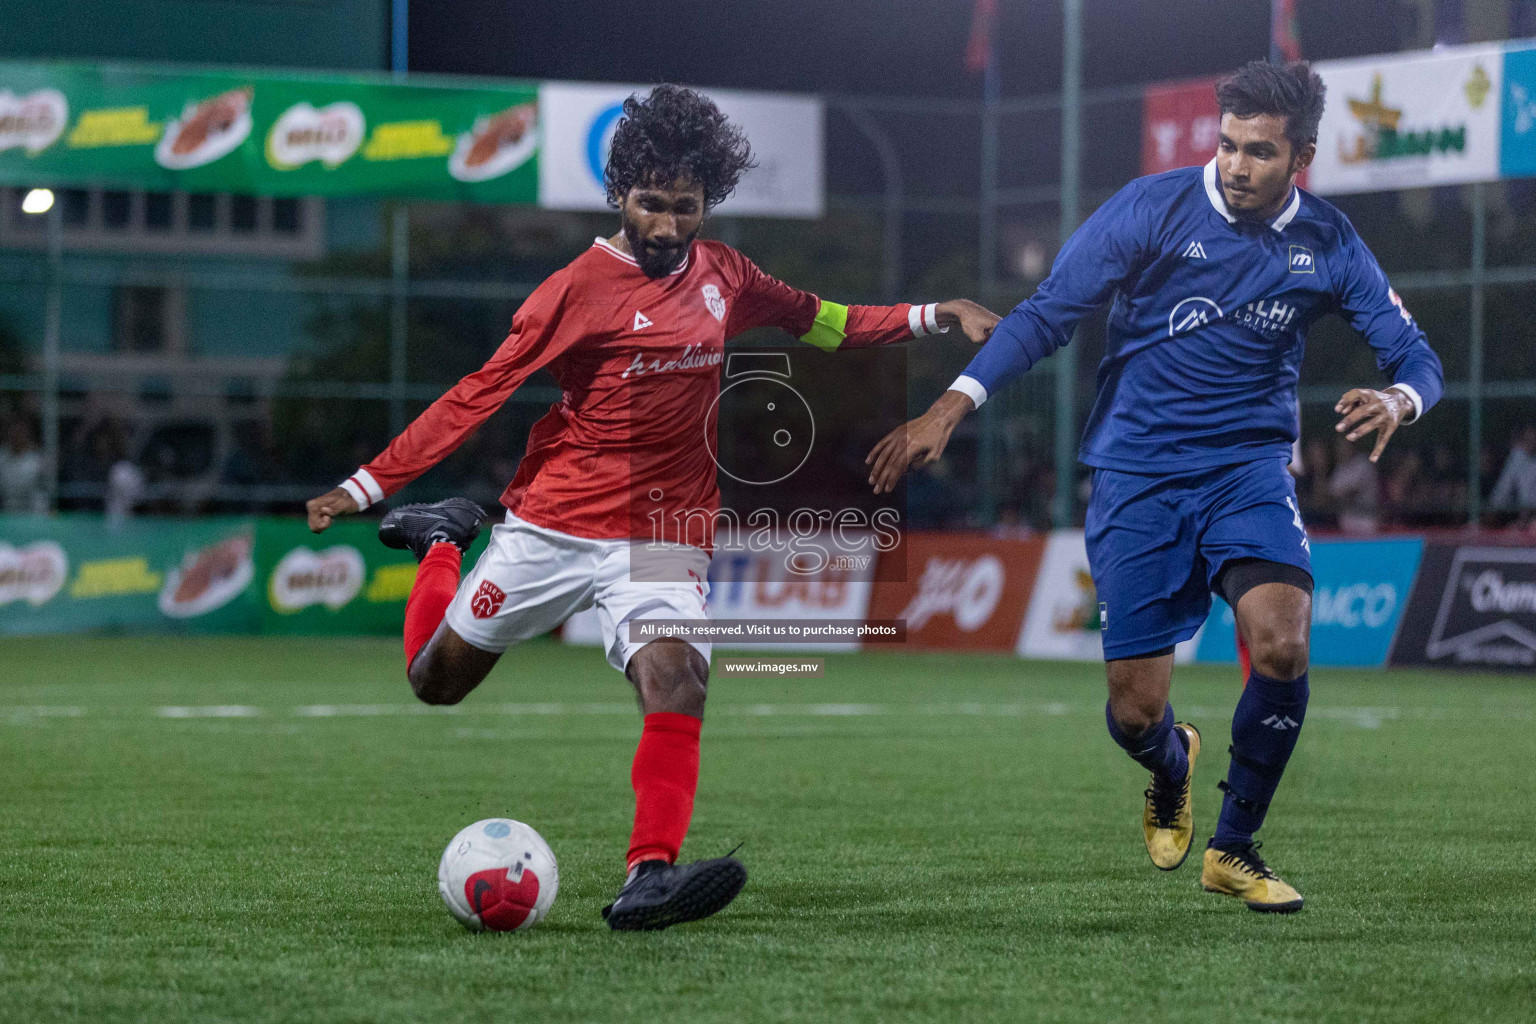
(261,133)
(70,574)
(341,581)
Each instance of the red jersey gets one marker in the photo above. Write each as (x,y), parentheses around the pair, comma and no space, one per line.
(638,360)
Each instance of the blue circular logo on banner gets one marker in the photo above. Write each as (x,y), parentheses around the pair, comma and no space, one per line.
(600,139)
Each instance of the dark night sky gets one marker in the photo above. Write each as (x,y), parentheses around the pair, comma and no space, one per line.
(912,47)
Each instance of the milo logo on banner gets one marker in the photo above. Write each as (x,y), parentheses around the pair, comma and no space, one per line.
(33,121)
(303,133)
(33,574)
(304,578)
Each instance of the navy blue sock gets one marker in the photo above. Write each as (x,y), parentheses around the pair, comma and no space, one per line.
(1264,730)
(1159,749)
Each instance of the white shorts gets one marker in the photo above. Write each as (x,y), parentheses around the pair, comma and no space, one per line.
(530,580)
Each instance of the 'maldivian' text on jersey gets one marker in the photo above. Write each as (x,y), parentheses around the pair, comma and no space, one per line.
(1208,325)
(638,362)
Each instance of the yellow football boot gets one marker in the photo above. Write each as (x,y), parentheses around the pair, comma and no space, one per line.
(1243,873)
(1167,820)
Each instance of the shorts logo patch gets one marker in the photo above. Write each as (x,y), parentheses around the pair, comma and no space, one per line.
(487,600)
(1306,545)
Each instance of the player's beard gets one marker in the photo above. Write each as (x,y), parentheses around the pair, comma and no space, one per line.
(655,260)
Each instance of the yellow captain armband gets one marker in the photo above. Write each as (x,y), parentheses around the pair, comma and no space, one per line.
(829,328)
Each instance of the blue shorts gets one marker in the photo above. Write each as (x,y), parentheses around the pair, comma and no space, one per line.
(1156,544)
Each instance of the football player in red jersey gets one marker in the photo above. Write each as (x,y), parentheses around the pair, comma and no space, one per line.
(634,331)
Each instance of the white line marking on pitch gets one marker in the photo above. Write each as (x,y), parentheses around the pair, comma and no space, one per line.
(209,711)
(1361,717)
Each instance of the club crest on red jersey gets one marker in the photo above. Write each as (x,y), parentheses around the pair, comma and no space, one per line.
(487,600)
(715,301)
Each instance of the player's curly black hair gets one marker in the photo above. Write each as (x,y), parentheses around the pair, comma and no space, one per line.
(1293,91)
(671,134)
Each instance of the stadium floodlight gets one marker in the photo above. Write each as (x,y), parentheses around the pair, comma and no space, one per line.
(39,200)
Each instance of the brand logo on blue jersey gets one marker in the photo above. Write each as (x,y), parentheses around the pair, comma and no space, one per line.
(1196,251)
(1191,313)
(1302,261)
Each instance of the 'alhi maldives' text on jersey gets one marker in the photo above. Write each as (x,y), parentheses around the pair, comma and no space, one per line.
(1209,322)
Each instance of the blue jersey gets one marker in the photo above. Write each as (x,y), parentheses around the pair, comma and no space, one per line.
(1208,324)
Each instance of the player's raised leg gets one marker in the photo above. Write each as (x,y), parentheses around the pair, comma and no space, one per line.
(1273,603)
(671,679)
(442,667)
(1140,720)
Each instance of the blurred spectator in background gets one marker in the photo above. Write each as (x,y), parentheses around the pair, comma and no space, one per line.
(1312,482)
(1354,488)
(22,489)
(1446,483)
(125,486)
(253,461)
(92,452)
(1404,496)
(1516,488)
(933,500)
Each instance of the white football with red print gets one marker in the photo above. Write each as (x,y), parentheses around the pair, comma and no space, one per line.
(498,875)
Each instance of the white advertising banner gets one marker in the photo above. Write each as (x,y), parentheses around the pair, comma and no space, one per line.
(1409,121)
(1062,623)
(785,131)
(746,584)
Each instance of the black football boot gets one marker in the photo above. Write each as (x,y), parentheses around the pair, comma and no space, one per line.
(658,895)
(417,527)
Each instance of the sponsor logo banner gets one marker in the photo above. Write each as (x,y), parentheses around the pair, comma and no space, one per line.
(1473,607)
(961,590)
(785,132)
(1360,593)
(1410,121)
(266,133)
(68,574)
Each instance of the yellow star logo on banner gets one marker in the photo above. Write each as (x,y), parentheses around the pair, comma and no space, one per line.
(1477,86)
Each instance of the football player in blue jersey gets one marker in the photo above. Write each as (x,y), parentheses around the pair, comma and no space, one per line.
(1215,274)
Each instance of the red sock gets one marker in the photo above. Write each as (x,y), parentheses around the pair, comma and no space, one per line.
(437,579)
(665,776)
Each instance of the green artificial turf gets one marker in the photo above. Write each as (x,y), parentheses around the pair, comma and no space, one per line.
(930,837)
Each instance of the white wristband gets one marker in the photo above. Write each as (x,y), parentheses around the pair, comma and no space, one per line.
(923,320)
(363,488)
(971,388)
(1414,397)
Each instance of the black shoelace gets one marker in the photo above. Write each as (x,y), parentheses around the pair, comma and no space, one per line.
(1249,858)
(1167,800)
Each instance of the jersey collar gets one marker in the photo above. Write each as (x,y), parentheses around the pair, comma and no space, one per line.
(1219,201)
(606,246)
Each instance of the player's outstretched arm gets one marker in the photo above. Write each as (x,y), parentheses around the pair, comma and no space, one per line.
(1365,410)
(919,442)
(539,334)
